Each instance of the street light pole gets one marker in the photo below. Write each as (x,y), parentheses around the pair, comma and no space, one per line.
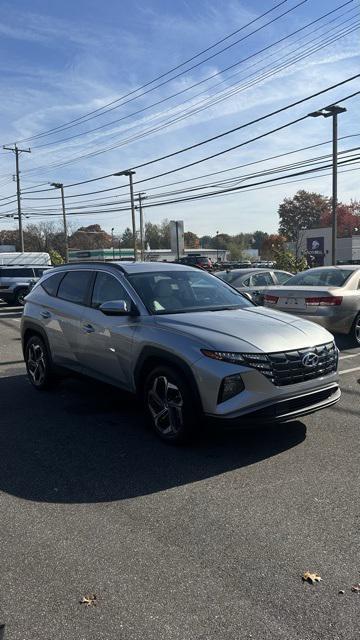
(130,173)
(141,196)
(332,111)
(59,185)
(112,242)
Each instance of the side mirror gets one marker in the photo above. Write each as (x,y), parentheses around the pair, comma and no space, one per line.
(118,308)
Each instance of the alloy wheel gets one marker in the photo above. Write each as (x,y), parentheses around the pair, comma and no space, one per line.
(36,364)
(357,329)
(165,404)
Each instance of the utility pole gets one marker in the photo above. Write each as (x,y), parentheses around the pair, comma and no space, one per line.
(17,151)
(141,197)
(332,111)
(130,173)
(112,242)
(59,185)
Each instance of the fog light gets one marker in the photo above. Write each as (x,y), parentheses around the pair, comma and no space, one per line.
(230,387)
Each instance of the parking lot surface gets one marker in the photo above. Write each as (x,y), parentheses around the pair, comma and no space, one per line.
(198,543)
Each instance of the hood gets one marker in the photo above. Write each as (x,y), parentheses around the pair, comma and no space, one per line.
(252,329)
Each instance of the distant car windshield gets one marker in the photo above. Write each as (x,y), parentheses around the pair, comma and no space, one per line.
(320,277)
(185,292)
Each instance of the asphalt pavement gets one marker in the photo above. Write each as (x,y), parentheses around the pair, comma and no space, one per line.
(198,543)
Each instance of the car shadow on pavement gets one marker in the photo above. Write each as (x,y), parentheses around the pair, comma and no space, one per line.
(85,442)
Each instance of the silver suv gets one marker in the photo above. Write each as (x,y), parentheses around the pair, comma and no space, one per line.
(186,342)
(15,282)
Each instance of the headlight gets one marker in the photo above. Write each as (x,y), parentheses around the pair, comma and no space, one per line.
(225,356)
(230,387)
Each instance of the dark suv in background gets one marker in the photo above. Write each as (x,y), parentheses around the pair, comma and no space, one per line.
(197,261)
(15,282)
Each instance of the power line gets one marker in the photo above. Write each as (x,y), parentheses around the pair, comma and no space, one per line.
(101,109)
(105,150)
(225,133)
(185,90)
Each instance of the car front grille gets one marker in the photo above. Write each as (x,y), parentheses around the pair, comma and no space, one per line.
(291,367)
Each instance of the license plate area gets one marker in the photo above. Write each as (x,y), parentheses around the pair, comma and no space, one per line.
(294,303)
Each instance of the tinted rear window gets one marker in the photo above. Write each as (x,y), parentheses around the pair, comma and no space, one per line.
(73,287)
(320,277)
(16,273)
(51,284)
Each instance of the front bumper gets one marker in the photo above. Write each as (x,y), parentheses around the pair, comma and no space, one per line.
(285,410)
(261,398)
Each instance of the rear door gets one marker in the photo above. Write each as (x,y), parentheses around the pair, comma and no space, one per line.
(106,341)
(63,315)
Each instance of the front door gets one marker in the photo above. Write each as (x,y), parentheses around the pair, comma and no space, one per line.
(106,341)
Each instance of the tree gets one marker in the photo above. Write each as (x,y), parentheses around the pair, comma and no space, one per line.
(191,240)
(287,261)
(348,219)
(205,242)
(90,237)
(127,239)
(258,239)
(236,252)
(56,257)
(303,211)
(152,235)
(270,245)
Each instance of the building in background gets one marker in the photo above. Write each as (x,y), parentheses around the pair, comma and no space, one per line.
(315,244)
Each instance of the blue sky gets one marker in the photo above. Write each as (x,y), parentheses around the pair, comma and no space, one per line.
(60,61)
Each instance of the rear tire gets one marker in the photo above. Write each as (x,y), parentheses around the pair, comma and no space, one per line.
(170,405)
(38,363)
(355,330)
(19,297)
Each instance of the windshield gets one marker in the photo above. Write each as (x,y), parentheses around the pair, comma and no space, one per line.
(184,292)
(320,277)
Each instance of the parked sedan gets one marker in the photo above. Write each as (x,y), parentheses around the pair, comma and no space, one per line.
(254,282)
(329,296)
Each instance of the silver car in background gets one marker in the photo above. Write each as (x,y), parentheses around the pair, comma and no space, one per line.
(329,296)
(254,282)
(181,339)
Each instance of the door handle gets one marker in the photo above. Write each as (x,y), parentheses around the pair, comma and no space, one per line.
(45,314)
(88,328)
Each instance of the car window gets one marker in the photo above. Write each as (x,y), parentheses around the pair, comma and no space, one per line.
(282,276)
(332,277)
(73,287)
(242,283)
(51,284)
(39,271)
(107,288)
(184,292)
(261,279)
(17,273)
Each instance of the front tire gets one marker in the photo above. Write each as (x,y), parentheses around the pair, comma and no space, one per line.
(355,330)
(169,404)
(38,363)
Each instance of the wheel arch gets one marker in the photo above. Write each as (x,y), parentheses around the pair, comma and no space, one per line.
(152,357)
(31,329)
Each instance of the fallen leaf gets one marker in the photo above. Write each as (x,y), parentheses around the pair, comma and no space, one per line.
(89,600)
(356,588)
(341,592)
(311,577)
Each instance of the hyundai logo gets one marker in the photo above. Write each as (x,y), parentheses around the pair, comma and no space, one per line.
(310,360)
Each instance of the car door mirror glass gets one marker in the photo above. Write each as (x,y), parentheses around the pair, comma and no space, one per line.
(116,308)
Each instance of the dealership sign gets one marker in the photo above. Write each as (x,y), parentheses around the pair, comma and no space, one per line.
(315,246)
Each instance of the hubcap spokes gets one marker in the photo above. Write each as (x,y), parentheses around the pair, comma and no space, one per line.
(36,364)
(166,406)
